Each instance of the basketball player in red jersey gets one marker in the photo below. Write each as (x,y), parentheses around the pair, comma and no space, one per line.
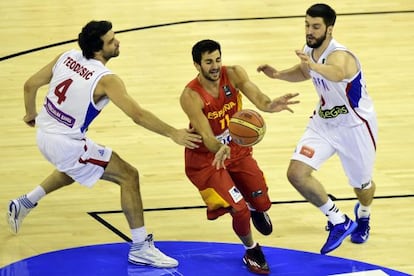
(226,175)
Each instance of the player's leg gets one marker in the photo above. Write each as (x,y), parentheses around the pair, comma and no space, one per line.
(311,152)
(300,176)
(251,182)
(221,196)
(20,207)
(143,250)
(362,211)
(358,157)
(124,174)
(223,192)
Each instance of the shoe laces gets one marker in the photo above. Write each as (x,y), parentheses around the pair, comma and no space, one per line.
(333,234)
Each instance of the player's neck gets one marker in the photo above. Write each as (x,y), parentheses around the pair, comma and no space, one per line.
(317,52)
(101,59)
(212,87)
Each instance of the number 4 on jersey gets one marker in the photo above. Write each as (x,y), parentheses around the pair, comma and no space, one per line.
(61,89)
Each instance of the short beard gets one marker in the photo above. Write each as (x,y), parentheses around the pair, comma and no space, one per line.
(107,57)
(207,77)
(318,42)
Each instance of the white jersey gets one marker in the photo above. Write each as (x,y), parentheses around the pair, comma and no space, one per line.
(69,107)
(344,103)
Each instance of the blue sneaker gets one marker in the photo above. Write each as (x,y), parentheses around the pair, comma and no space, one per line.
(361,233)
(337,233)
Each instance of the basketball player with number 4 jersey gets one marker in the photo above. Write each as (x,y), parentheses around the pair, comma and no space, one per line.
(80,85)
(225,174)
(344,123)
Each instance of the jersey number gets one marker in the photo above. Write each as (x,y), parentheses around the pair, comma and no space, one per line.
(225,121)
(61,89)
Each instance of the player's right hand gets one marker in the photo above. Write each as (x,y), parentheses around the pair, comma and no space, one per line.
(221,155)
(30,120)
(268,70)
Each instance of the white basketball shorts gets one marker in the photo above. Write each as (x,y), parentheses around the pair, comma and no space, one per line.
(82,159)
(355,147)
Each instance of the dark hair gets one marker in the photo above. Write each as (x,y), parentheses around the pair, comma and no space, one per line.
(322,10)
(203,46)
(89,39)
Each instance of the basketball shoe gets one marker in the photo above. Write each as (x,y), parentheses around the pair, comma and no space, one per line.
(255,260)
(262,222)
(146,253)
(17,211)
(337,233)
(361,233)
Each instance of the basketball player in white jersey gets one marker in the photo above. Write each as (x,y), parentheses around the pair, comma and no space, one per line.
(80,85)
(343,123)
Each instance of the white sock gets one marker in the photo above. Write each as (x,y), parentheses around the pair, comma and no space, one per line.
(35,195)
(335,216)
(250,247)
(363,211)
(138,234)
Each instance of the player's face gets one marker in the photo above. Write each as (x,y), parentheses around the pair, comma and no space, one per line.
(315,31)
(111,45)
(211,65)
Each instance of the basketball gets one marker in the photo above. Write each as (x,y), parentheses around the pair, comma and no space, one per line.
(247,127)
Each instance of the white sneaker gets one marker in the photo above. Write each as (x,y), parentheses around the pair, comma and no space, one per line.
(148,254)
(17,211)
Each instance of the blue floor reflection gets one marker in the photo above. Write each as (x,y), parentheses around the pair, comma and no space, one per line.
(196,258)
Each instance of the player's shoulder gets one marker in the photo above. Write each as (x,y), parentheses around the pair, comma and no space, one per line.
(190,93)
(233,68)
(110,79)
(235,71)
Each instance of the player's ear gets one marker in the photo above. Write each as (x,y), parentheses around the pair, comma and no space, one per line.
(330,30)
(197,66)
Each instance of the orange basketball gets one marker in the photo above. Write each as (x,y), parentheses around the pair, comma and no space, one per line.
(247,127)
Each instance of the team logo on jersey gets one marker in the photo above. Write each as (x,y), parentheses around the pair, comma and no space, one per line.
(227,91)
(101,152)
(307,151)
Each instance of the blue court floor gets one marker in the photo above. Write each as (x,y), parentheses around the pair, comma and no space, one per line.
(196,258)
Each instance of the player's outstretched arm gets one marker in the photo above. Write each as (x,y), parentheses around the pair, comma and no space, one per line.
(115,89)
(256,96)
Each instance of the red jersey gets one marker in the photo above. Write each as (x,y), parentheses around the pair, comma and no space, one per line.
(219,111)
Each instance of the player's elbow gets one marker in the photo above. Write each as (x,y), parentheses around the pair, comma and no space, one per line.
(29,86)
(138,117)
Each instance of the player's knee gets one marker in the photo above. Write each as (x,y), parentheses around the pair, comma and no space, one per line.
(295,176)
(262,205)
(132,174)
(128,176)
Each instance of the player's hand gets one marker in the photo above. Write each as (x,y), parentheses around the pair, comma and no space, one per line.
(187,138)
(30,119)
(304,59)
(283,103)
(221,155)
(268,71)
